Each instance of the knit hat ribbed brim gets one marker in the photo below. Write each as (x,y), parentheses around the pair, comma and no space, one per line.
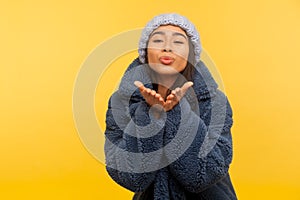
(172,19)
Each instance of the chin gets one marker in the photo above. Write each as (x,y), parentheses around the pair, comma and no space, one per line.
(164,69)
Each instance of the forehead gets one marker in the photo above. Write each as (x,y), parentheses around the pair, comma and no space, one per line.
(170,28)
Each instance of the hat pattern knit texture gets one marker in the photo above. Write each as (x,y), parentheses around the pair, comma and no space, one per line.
(169,19)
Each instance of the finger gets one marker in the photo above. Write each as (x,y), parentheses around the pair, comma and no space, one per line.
(141,87)
(150,99)
(139,84)
(156,98)
(161,100)
(167,105)
(148,90)
(170,104)
(171,96)
(145,92)
(173,101)
(186,86)
(159,97)
(176,93)
(153,93)
(180,92)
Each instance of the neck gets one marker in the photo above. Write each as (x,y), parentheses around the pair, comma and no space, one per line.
(166,80)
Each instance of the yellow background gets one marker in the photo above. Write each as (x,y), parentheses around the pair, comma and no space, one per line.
(254,44)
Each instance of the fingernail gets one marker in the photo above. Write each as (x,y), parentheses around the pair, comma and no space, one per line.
(138,83)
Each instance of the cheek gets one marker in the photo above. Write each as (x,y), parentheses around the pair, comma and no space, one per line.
(183,52)
(152,55)
(181,64)
(182,59)
(183,55)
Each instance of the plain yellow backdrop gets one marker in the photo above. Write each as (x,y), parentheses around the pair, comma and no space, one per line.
(254,44)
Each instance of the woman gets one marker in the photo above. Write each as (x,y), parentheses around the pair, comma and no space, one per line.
(168,126)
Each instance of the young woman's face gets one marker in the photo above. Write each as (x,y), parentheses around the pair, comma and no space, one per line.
(168,50)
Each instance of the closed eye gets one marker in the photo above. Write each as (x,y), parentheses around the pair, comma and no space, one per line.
(157,41)
(178,42)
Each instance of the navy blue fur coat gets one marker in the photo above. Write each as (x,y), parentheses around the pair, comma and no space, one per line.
(193,150)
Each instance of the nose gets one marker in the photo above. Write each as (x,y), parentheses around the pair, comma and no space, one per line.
(167,50)
(167,47)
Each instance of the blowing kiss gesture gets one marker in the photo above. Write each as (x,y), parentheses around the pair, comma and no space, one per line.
(153,98)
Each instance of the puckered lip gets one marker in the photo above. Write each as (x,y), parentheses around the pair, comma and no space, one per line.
(166,60)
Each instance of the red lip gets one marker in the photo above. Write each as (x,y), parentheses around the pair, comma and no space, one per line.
(166,60)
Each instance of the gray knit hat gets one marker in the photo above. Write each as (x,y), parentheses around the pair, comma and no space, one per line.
(173,19)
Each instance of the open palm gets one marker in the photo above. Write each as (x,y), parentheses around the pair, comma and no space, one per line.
(154,98)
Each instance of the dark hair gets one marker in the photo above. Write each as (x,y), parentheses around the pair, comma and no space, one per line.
(189,70)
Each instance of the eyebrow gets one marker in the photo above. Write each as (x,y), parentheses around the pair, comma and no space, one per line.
(163,33)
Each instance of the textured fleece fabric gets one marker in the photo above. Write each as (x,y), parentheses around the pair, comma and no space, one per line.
(191,175)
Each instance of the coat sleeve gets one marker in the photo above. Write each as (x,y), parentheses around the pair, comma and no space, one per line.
(127,145)
(207,159)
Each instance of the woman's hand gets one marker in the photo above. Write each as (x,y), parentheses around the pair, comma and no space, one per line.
(153,98)
(176,95)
